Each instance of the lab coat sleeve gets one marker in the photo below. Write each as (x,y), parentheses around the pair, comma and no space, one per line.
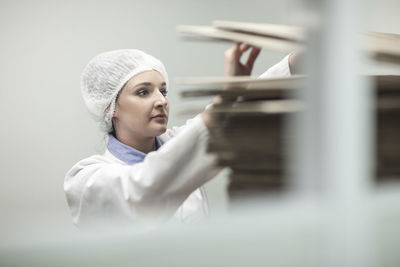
(281,69)
(152,189)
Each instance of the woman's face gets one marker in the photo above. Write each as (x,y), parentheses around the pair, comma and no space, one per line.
(142,106)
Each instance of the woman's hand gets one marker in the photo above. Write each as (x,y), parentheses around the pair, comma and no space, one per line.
(233,66)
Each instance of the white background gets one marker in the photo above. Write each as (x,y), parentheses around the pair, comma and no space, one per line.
(46,44)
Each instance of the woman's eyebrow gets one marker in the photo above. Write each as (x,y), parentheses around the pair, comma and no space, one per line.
(147,84)
(141,84)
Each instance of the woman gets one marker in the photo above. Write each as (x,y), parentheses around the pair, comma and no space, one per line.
(145,173)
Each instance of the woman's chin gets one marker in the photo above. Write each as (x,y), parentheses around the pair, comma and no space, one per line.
(161,130)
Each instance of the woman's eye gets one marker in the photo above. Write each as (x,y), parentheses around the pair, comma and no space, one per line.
(164,92)
(143,92)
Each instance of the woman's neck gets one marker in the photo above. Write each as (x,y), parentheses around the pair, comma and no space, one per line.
(144,144)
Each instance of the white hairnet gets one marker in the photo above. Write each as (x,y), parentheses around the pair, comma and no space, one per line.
(106,74)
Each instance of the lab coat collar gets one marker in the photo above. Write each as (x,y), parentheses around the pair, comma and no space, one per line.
(127,153)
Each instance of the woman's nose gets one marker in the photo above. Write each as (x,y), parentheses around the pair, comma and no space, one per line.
(161,100)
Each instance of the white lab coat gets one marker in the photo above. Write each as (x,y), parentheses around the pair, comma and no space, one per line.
(103,188)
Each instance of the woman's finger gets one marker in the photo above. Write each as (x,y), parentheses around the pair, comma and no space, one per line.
(255,51)
(243,48)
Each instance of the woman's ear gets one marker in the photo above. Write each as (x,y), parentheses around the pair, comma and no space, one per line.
(116,110)
(114,119)
(115,114)
(116,105)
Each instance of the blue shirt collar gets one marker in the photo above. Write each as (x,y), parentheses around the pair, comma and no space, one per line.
(127,153)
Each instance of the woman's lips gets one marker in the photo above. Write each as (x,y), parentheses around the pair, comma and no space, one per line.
(160,117)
